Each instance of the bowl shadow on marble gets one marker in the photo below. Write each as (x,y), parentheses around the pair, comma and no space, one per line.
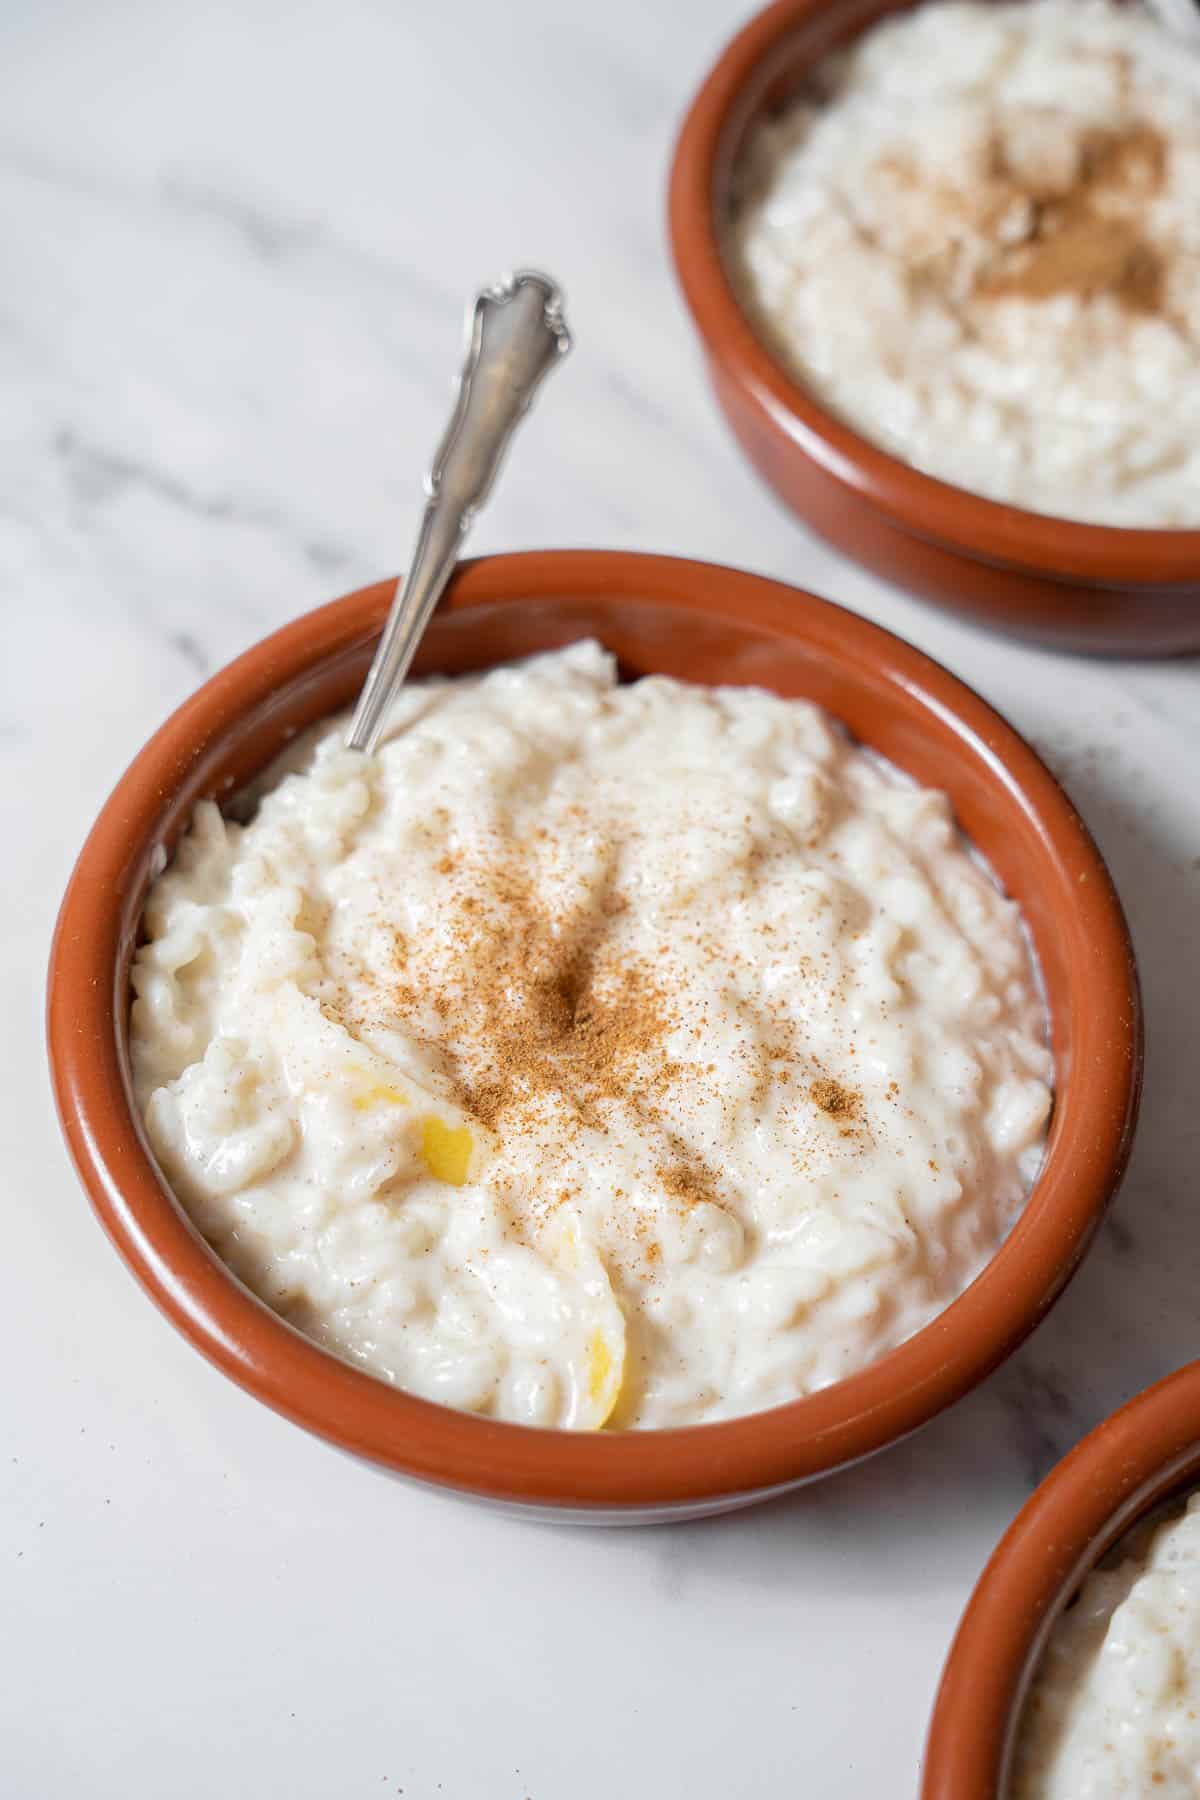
(1130,1316)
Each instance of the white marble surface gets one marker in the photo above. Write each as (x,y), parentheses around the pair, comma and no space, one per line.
(237,240)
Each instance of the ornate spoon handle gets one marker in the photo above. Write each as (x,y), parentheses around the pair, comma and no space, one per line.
(517,333)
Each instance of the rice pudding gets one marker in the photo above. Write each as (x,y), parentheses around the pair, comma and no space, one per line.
(1115,1707)
(975,236)
(593,1054)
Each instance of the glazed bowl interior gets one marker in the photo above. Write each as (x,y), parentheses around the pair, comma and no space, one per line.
(765,66)
(701,624)
(1143,1457)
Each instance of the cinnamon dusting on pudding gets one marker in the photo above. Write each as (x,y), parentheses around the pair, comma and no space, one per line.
(540,1006)
(1047,211)
(841,1104)
(835,1102)
(1083,231)
(547,1003)
(688,1178)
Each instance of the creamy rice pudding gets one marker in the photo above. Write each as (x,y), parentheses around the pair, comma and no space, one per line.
(1115,1708)
(595,1053)
(976,237)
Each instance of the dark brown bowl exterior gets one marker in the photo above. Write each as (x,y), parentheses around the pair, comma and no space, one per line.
(1061,583)
(699,623)
(1139,1457)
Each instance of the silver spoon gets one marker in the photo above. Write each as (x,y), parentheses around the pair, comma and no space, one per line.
(516,333)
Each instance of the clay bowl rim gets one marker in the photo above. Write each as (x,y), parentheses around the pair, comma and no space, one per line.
(731,94)
(711,1463)
(1138,1457)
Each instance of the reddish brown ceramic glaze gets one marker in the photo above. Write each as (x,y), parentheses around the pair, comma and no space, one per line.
(1068,585)
(1141,1456)
(703,624)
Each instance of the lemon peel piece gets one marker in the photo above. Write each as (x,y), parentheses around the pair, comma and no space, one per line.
(381,1091)
(324,1057)
(605,1368)
(605,1374)
(597,1384)
(447,1150)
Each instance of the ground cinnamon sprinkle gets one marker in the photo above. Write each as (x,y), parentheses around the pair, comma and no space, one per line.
(687,1177)
(1086,237)
(540,1003)
(834,1100)
(546,1003)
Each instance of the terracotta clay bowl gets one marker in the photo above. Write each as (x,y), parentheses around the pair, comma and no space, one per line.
(697,622)
(1144,1454)
(1072,586)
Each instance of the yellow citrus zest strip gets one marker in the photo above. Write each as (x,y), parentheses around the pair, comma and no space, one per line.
(381,1091)
(599,1365)
(447,1150)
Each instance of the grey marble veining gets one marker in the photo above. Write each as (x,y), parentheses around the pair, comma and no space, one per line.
(237,244)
